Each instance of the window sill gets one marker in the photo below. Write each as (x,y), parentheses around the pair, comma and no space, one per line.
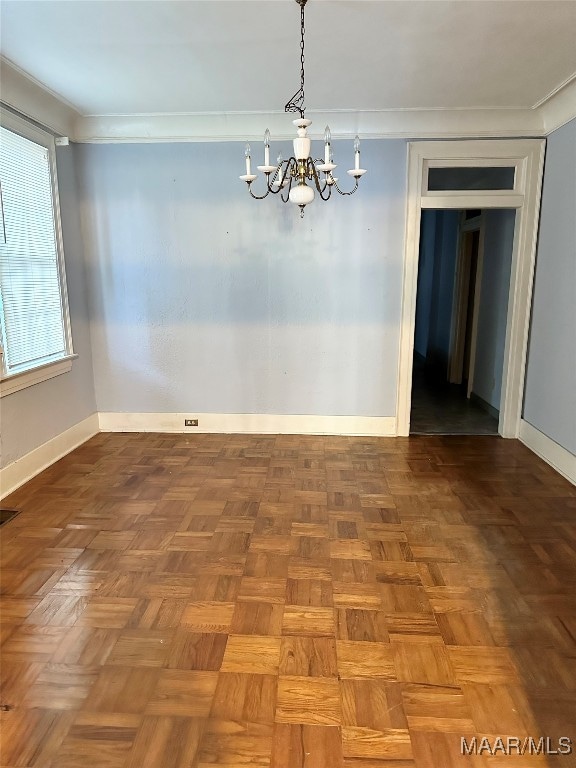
(25,379)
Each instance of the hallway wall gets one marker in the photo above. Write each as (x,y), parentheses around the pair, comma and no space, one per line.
(550,395)
(436,269)
(492,317)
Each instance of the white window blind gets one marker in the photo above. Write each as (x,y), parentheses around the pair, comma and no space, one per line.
(32,316)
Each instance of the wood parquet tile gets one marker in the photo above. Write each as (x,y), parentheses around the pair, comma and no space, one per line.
(176,601)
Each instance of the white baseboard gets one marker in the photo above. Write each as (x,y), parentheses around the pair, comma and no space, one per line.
(554,454)
(25,468)
(20,471)
(247,423)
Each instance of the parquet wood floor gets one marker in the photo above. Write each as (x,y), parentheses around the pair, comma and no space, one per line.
(287,602)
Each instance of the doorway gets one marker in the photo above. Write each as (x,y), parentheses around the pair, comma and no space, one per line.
(487,175)
(461,315)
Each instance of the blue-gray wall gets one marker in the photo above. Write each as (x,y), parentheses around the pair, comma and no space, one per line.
(425,280)
(36,414)
(492,317)
(443,288)
(434,298)
(204,300)
(550,395)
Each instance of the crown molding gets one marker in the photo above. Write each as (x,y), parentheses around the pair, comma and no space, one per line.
(559,107)
(425,124)
(30,98)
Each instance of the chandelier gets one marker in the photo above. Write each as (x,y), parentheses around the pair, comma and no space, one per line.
(288,178)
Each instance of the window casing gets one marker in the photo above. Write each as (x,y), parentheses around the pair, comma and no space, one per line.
(35,334)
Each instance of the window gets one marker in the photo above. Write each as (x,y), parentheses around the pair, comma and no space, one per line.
(34,323)
(486,177)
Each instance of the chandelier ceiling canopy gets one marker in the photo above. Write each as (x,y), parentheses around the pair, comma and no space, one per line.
(288,178)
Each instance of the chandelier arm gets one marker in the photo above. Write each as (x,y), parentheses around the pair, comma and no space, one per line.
(320,161)
(285,199)
(326,187)
(275,191)
(271,182)
(321,189)
(279,189)
(346,193)
(258,197)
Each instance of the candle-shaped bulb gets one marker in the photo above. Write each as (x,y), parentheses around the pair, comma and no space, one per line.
(247,156)
(357,144)
(279,159)
(327,139)
(266,138)
(357,153)
(267,147)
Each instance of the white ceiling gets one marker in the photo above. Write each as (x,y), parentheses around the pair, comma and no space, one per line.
(227,56)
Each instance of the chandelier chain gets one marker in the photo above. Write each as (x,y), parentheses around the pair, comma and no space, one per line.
(302,58)
(296,103)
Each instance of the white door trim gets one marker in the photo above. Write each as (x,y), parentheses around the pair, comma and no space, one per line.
(527,155)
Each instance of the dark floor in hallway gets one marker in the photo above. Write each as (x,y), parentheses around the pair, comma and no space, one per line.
(440,408)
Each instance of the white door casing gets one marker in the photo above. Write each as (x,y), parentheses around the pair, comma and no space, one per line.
(527,157)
